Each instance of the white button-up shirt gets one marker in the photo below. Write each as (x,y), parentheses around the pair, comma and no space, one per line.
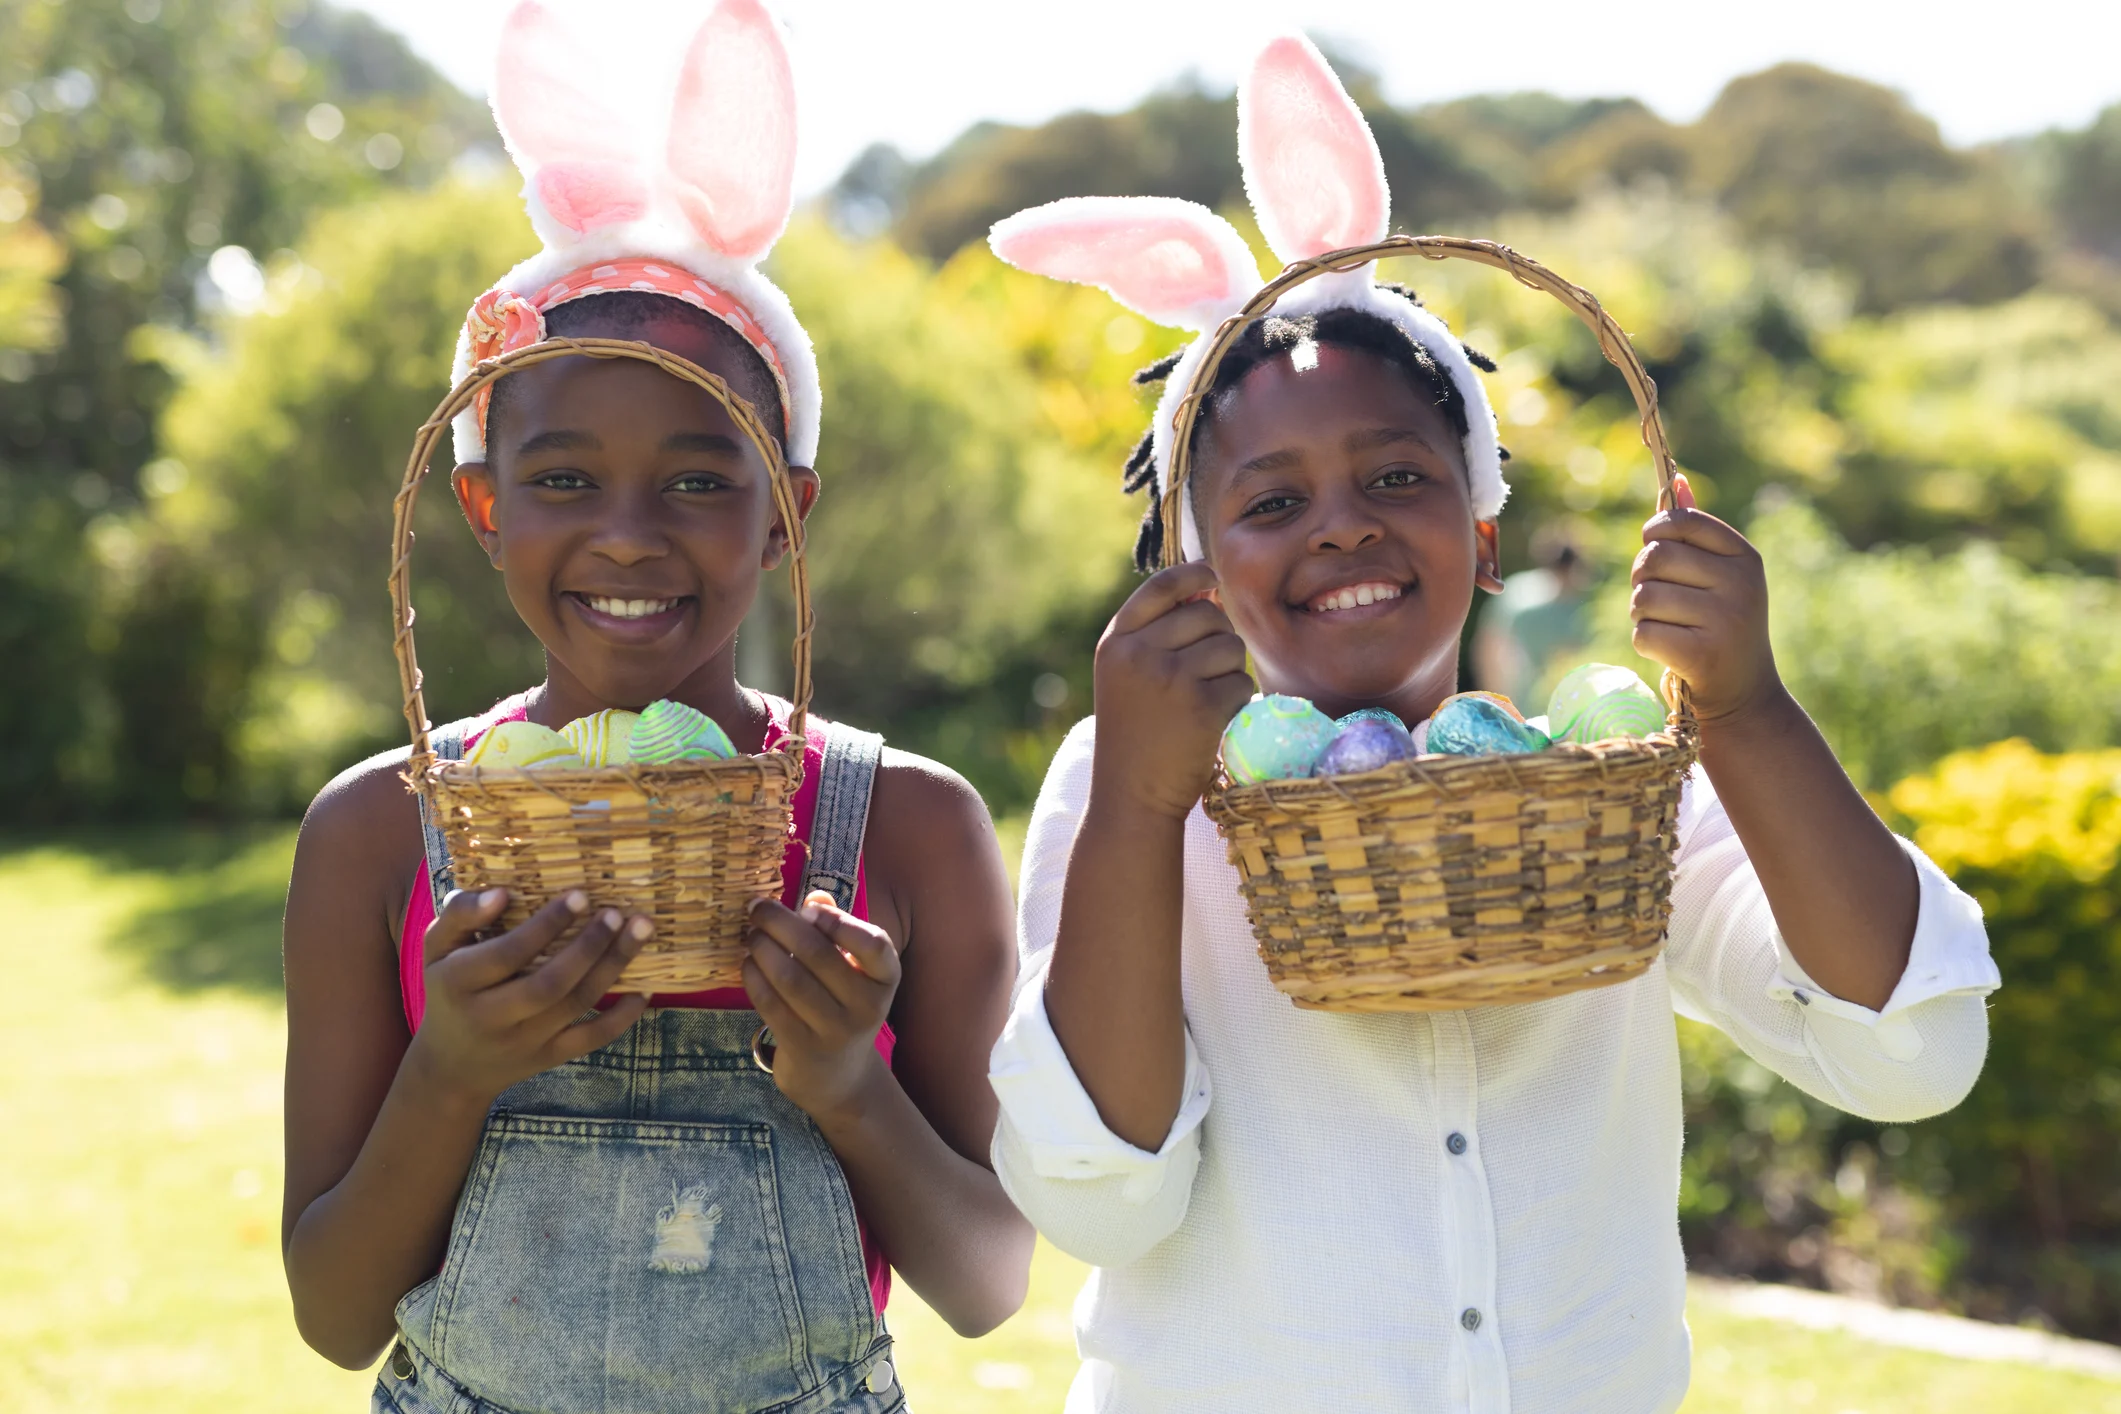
(1472,1210)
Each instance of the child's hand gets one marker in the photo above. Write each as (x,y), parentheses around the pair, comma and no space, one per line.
(1170,675)
(824,981)
(1700,608)
(489,1021)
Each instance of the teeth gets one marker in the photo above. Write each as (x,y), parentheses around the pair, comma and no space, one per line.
(1355,596)
(630,608)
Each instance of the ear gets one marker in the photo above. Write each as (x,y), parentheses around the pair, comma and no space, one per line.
(1311,164)
(730,161)
(577,152)
(806,485)
(473,483)
(1172,261)
(1487,557)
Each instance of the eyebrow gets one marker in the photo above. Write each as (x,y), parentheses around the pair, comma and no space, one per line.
(710,442)
(563,440)
(1369,439)
(570,440)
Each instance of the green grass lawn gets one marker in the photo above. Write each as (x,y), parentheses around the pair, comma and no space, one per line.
(139,1192)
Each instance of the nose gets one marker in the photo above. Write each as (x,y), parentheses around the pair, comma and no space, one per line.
(631,532)
(1342,520)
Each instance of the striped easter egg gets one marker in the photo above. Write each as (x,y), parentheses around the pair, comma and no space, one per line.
(602,738)
(671,731)
(1600,700)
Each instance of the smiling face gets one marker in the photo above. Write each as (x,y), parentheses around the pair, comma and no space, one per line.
(631,520)
(1332,496)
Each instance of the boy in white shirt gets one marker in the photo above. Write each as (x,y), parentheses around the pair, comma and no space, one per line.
(1473,1210)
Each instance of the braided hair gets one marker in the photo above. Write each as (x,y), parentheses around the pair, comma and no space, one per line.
(1262,340)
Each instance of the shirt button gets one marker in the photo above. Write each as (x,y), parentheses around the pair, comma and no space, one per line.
(1802,999)
(881,1377)
(1456,1143)
(1469,1318)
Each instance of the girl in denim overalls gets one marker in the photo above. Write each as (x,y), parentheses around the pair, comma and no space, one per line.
(539,1197)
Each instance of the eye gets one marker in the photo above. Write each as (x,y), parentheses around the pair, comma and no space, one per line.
(563,480)
(1398,476)
(1273,503)
(699,483)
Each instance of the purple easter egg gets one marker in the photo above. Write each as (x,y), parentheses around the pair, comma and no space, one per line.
(1364,745)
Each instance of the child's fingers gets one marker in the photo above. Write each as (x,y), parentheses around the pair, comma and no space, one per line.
(542,988)
(864,945)
(598,981)
(1674,645)
(1697,528)
(799,937)
(1184,626)
(798,986)
(1679,562)
(1213,657)
(463,914)
(1682,491)
(485,964)
(598,1031)
(1162,592)
(771,1006)
(1676,604)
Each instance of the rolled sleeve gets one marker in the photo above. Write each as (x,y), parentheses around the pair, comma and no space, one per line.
(1057,1122)
(1730,966)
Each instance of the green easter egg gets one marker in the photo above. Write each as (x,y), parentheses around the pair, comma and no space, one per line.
(1275,738)
(1599,700)
(671,731)
(602,738)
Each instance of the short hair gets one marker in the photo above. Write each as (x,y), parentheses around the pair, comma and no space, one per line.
(623,314)
(1263,339)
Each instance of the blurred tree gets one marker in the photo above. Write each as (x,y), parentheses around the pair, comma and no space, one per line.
(2080,174)
(284,446)
(1847,174)
(163,141)
(1181,142)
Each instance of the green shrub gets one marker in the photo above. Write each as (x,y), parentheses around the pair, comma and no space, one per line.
(2010,1204)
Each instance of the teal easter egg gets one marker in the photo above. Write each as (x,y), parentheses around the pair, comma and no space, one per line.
(1477,725)
(1275,738)
(1599,700)
(671,731)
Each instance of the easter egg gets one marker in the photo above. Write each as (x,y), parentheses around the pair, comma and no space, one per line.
(521,744)
(1275,738)
(1495,697)
(671,731)
(1364,743)
(1474,724)
(1373,714)
(1600,700)
(602,738)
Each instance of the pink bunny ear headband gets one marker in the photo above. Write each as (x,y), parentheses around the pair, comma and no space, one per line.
(691,220)
(1317,184)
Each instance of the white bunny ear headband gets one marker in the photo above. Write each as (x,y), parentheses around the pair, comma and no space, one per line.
(1317,184)
(690,218)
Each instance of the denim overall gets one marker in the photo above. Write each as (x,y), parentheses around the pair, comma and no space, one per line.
(655,1227)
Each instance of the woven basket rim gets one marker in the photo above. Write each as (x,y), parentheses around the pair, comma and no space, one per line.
(422,763)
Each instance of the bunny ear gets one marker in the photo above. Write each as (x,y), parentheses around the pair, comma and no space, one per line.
(1311,164)
(1172,261)
(731,156)
(576,151)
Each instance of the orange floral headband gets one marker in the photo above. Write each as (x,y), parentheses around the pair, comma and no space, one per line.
(502,322)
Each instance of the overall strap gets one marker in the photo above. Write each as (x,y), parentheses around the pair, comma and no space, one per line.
(448,745)
(844,780)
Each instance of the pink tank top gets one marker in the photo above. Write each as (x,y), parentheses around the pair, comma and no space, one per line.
(420,915)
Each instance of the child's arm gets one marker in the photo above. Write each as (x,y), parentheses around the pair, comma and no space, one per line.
(912,1137)
(1170,675)
(381,1128)
(1843,894)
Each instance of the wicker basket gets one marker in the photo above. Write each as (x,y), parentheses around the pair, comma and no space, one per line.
(1447,882)
(692,845)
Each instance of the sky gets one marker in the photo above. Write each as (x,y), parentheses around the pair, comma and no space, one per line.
(917,74)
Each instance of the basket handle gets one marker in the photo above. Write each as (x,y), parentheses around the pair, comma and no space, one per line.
(484,376)
(1612,342)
